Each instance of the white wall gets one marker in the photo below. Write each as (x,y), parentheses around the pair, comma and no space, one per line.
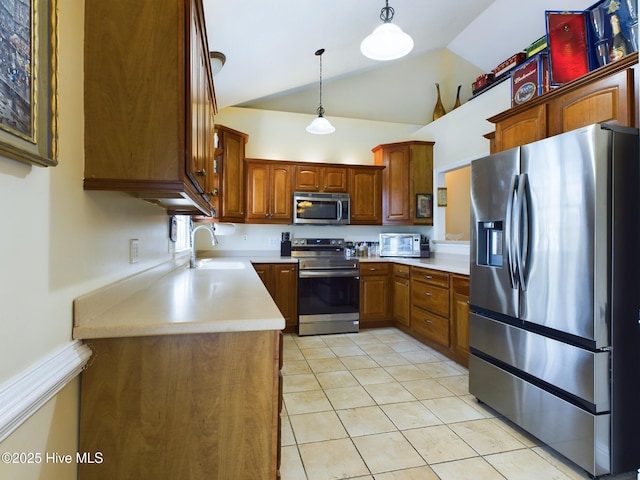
(59,242)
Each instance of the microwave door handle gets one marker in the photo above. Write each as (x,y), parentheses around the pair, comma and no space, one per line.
(339,216)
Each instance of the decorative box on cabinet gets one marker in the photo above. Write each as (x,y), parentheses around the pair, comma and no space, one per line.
(606,95)
(408,171)
(227,193)
(317,178)
(365,189)
(374,294)
(149,106)
(268,190)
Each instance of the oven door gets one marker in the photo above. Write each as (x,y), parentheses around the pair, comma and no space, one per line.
(328,301)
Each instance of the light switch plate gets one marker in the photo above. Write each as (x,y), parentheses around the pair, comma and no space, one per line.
(134,250)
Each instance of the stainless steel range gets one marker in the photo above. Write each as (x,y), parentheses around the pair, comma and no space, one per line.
(328,287)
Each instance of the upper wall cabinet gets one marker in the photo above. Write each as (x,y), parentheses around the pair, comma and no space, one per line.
(606,95)
(408,172)
(320,178)
(149,102)
(227,192)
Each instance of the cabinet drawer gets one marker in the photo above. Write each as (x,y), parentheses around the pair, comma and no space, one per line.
(367,268)
(428,297)
(401,270)
(431,326)
(432,277)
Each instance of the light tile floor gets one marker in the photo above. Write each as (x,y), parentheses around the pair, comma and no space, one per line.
(380,405)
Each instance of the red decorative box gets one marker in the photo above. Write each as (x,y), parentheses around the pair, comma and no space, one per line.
(482,81)
(529,80)
(568,41)
(508,64)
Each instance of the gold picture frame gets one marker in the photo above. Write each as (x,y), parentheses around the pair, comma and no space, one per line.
(442,197)
(29,82)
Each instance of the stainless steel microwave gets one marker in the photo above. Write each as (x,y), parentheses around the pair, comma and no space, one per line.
(403,245)
(310,208)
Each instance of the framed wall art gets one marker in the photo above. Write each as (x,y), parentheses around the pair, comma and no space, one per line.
(442,197)
(29,81)
(424,205)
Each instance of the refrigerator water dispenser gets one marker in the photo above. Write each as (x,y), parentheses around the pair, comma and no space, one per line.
(489,246)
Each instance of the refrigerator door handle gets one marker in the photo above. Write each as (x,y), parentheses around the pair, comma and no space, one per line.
(522,227)
(508,237)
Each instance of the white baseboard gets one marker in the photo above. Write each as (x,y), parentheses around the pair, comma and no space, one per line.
(23,395)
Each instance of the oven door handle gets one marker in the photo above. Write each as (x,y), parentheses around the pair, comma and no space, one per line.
(328,273)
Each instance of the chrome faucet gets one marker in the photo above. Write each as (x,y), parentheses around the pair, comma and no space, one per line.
(214,241)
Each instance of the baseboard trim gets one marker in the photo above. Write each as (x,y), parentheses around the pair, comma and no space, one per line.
(22,395)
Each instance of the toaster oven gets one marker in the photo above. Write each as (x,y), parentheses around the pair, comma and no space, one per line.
(404,245)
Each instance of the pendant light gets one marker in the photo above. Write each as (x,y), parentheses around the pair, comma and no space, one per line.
(320,125)
(388,41)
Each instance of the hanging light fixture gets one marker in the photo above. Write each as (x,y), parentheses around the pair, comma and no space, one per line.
(388,41)
(320,125)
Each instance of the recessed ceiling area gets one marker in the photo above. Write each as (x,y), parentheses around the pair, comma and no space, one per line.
(270,60)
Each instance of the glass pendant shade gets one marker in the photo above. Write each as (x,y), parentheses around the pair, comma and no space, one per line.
(387,42)
(320,126)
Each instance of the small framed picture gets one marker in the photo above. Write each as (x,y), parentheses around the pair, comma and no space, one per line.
(424,205)
(442,197)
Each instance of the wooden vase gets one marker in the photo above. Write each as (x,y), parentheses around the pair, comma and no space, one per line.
(438,111)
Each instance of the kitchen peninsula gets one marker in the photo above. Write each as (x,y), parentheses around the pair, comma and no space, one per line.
(184,381)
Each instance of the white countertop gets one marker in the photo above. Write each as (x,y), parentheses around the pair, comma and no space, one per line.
(225,299)
(226,295)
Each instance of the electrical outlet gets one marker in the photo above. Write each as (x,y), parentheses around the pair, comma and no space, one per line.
(134,250)
(245,237)
(273,241)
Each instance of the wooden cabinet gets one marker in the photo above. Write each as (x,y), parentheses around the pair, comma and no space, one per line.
(281,280)
(401,295)
(365,189)
(374,294)
(149,105)
(430,305)
(606,95)
(182,406)
(460,318)
(320,178)
(268,189)
(408,171)
(227,190)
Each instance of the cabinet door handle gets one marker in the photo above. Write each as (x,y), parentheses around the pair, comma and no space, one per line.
(201,173)
(406,284)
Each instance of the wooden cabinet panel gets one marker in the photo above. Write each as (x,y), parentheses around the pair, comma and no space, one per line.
(148,105)
(401,300)
(460,318)
(316,178)
(428,297)
(269,195)
(374,292)
(153,404)
(607,100)
(281,281)
(229,198)
(525,127)
(408,171)
(365,188)
(431,326)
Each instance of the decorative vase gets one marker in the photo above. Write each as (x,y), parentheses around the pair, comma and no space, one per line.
(457,104)
(438,111)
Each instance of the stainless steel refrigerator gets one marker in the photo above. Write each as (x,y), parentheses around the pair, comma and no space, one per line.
(554,328)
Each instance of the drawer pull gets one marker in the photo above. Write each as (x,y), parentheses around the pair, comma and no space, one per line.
(427,294)
(427,321)
(428,277)
(372,269)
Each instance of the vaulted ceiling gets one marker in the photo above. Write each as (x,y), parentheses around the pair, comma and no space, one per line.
(271,62)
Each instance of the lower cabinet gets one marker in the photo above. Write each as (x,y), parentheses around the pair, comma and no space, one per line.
(401,295)
(375,299)
(194,406)
(432,306)
(281,280)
